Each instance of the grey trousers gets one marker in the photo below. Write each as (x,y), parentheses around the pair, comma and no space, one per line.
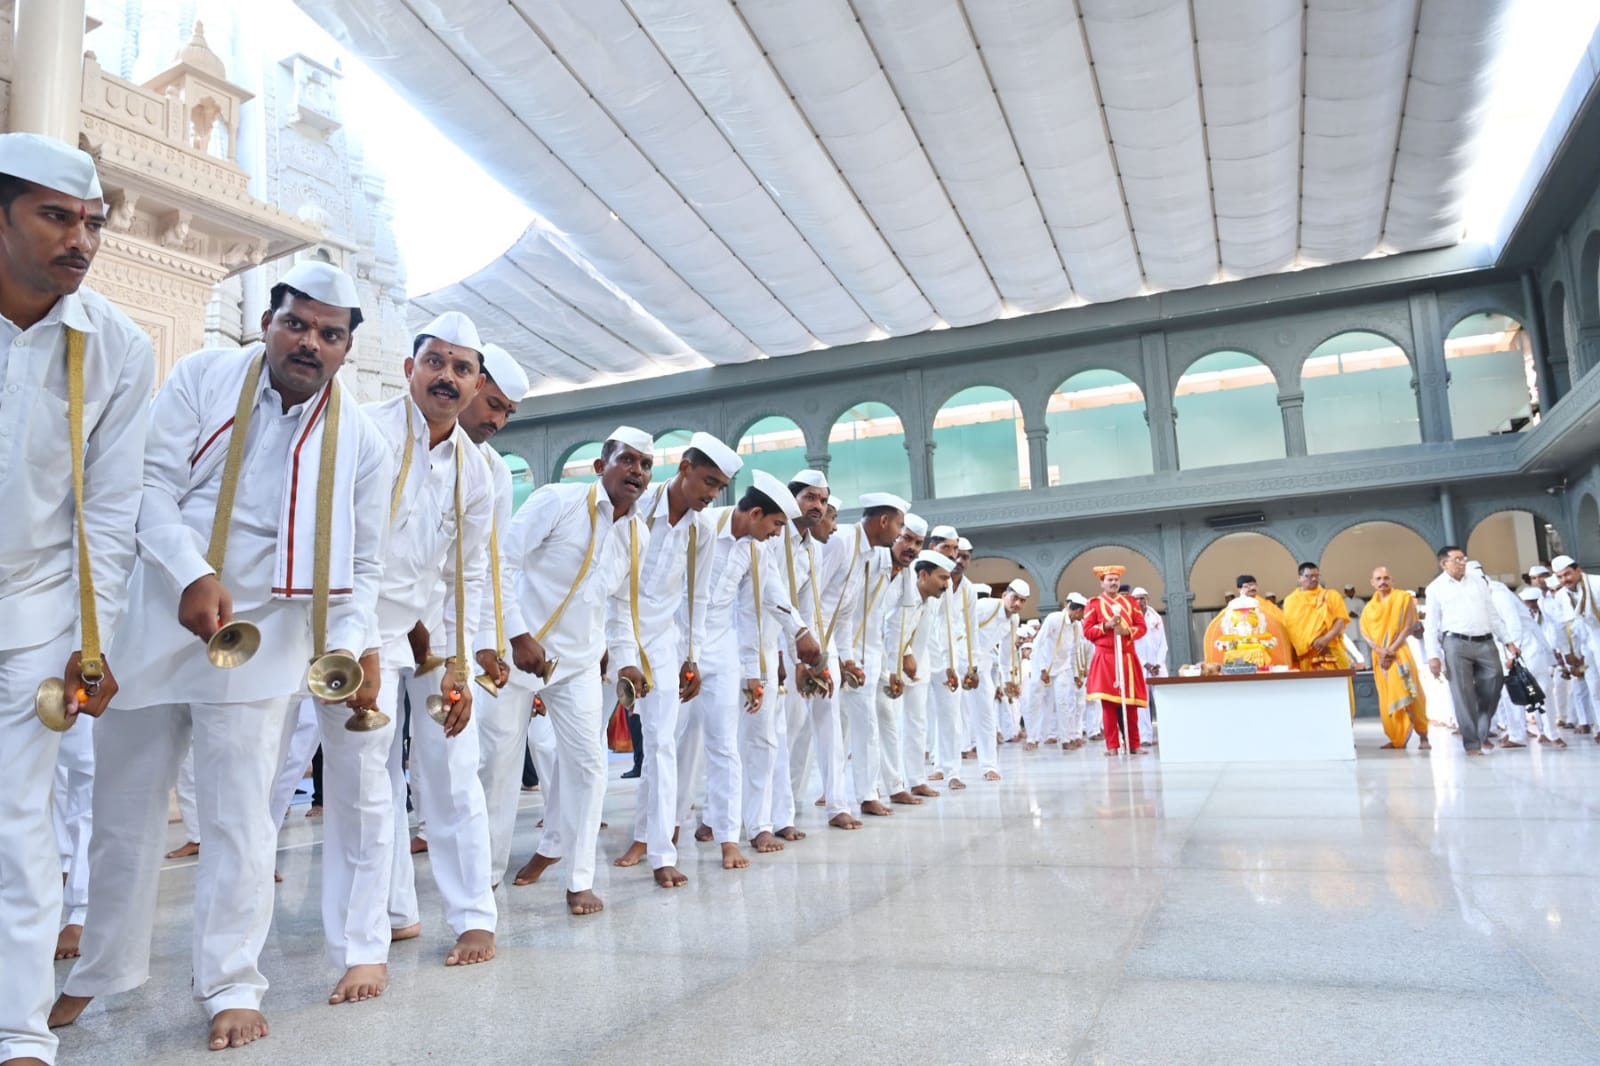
(1473,671)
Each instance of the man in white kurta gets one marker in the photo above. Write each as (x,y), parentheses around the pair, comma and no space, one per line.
(569,550)
(672,621)
(897,665)
(905,754)
(1067,659)
(1152,652)
(227,529)
(998,666)
(441,510)
(948,701)
(501,702)
(1583,596)
(1533,638)
(1045,726)
(51,215)
(799,546)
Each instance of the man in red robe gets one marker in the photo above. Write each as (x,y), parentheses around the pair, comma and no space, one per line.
(1112,623)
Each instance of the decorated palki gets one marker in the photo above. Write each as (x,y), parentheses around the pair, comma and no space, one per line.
(1244,635)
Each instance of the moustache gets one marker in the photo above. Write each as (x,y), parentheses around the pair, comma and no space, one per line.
(300,355)
(73,261)
(444,388)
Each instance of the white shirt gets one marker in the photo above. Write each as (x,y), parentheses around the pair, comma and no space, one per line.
(158,660)
(849,566)
(1465,607)
(1533,641)
(38,554)
(797,556)
(1584,602)
(1057,647)
(664,587)
(544,549)
(780,623)
(1152,647)
(419,558)
(996,633)
(511,616)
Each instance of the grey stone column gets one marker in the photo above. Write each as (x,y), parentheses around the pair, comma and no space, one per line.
(1038,456)
(1432,378)
(1179,599)
(1587,350)
(1292,406)
(818,460)
(1158,409)
(927,468)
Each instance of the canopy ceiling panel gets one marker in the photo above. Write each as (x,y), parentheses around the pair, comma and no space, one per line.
(720,180)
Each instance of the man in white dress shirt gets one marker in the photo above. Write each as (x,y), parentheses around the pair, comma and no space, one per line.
(941,670)
(1538,654)
(501,702)
(905,729)
(897,666)
(245,447)
(855,568)
(51,217)
(672,625)
(1583,596)
(1152,652)
(999,666)
(799,547)
(435,580)
(1462,627)
(570,550)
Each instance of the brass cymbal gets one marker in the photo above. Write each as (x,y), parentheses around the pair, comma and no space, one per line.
(430,664)
(233,645)
(334,678)
(488,685)
(549,670)
(50,704)
(366,721)
(627,695)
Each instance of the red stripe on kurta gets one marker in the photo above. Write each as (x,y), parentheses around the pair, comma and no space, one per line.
(207,445)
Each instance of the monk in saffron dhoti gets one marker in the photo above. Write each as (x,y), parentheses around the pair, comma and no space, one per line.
(1112,623)
(1386,622)
(1317,617)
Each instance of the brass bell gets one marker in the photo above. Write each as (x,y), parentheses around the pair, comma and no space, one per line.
(334,678)
(549,670)
(50,704)
(233,645)
(438,707)
(430,664)
(488,685)
(364,721)
(783,690)
(627,695)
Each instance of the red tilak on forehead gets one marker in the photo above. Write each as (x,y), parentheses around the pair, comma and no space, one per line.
(83,213)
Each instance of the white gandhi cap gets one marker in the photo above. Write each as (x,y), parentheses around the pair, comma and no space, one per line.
(51,163)
(917,524)
(453,327)
(1538,571)
(323,282)
(943,532)
(964,544)
(1552,582)
(1076,599)
(1020,587)
(726,459)
(981,589)
(506,372)
(637,439)
(814,478)
(883,499)
(1561,562)
(1140,592)
(836,503)
(1530,594)
(936,559)
(778,492)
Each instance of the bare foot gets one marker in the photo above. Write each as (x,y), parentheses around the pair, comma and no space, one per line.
(534,869)
(1387,747)
(1474,751)
(189,849)
(703,834)
(937,775)
(585,902)
(970,753)
(359,983)
(473,946)
(418,845)
(632,857)
(28,1060)
(876,808)
(924,790)
(314,811)
(766,842)
(236,1028)
(956,784)
(733,858)
(1511,744)
(277,878)
(67,942)
(821,802)
(669,877)
(67,1008)
(406,932)
(1558,742)
(791,834)
(844,821)
(992,775)
(1032,745)
(1112,753)
(904,798)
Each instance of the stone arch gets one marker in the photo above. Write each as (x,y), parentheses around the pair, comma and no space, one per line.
(1589,278)
(574,462)
(980,443)
(1586,542)
(999,570)
(1360,392)
(1356,550)
(1215,562)
(866,446)
(1226,405)
(1558,338)
(1507,540)
(1099,428)
(1078,573)
(1493,387)
(772,442)
(670,445)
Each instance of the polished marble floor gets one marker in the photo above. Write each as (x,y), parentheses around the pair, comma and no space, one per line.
(1402,908)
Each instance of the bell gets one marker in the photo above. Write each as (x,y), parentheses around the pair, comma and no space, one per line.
(50,704)
(364,721)
(627,695)
(549,670)
(430,664)
(439,708)
(233,645)
(334,678)
(488,684)
(783,690)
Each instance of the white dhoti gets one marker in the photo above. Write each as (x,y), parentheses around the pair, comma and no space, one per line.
(74,816)
(451,799)
(655,816)
(238,748)
(914,737)
(502,720)
(575,790)
(30,870)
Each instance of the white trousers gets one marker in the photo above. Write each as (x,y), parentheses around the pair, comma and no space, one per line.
(758,754)
(30,867)
(74,816)
(185,790)
(1514,719)
(304,737)
(1009,713)
(451,799)
(656,807)
(914,737)
(238,748)
(1043,717)
(947,711)
(780,802)
(542,747)
(982,711)
(797,711)
(708,735)
(891,739)
(860,709)
(575,790)
(827,734)
(1072,708)
(502,741)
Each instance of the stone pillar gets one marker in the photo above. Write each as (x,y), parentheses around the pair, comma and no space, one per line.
(47,83)
(927,461)
(1587,351)
(1179,599)
(1432,378)
(1447,515)
(818,460)
(1533,322)
(1292,406)
(1159,412)
(1038,457)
